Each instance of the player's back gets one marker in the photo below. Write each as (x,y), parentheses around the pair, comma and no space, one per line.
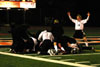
(47,35)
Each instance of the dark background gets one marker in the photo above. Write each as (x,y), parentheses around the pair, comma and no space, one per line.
(47,10)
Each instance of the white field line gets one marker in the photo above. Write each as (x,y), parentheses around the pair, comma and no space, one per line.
(55,58)
(83,62)
(74,54)
(82,54)
(68,60)
(95,64)
(46,60)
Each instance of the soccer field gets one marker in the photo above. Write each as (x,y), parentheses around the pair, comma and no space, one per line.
(87,58)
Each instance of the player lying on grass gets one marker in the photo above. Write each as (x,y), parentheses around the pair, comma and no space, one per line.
(79,26)
(67,45)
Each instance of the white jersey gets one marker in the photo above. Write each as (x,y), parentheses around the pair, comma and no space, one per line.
(34,40)
(79,25)
(44,35)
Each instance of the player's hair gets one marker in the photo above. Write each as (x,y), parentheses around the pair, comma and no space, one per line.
(56,21)
(79,16)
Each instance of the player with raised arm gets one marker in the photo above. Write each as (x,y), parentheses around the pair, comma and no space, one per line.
(79,26)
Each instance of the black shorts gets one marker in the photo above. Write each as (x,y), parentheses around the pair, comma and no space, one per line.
(79,34)
(47,44)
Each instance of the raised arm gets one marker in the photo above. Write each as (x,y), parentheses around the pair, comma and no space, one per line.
(88,16)
(69,15)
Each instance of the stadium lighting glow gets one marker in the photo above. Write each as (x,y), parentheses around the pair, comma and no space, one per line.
(25,9)
(17,4)
(9,4)
(8,8)
(34,1)
(27,5)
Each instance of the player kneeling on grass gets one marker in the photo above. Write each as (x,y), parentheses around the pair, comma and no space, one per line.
(46,39)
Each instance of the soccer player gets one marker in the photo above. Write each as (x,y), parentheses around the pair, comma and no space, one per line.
(21,38)
(46,39)
(57,31)
(69,44)
(79,26)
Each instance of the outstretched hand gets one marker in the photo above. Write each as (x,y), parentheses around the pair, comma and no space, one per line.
(68,13)
(88,13)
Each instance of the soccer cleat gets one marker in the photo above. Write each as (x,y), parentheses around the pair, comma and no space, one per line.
(74,51)
(38,52)
(12,51)
(51,52)
(93,49)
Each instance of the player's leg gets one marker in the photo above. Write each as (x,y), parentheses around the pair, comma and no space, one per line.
(85,39)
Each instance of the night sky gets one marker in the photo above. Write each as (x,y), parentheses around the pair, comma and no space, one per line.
(50,9)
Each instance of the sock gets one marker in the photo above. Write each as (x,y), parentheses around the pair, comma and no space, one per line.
(59,44)
(62,49)
(55,46)
(86,44)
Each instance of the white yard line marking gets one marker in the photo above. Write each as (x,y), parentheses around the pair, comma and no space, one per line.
(46,60)
(55,57)
(82,54)
(74,54)
(68,60)
(83,62)
(95,64)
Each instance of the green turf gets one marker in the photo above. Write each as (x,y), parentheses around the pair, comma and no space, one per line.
(4,49)
(9,61)
(93,59)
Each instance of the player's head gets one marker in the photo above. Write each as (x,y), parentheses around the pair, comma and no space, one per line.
(56,21)
(44,30)
(79,17)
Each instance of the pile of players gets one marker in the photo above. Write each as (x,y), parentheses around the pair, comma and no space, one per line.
(51,42)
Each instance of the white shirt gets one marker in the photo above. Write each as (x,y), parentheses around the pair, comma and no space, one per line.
(79,25)
(34,40)
(46,35)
